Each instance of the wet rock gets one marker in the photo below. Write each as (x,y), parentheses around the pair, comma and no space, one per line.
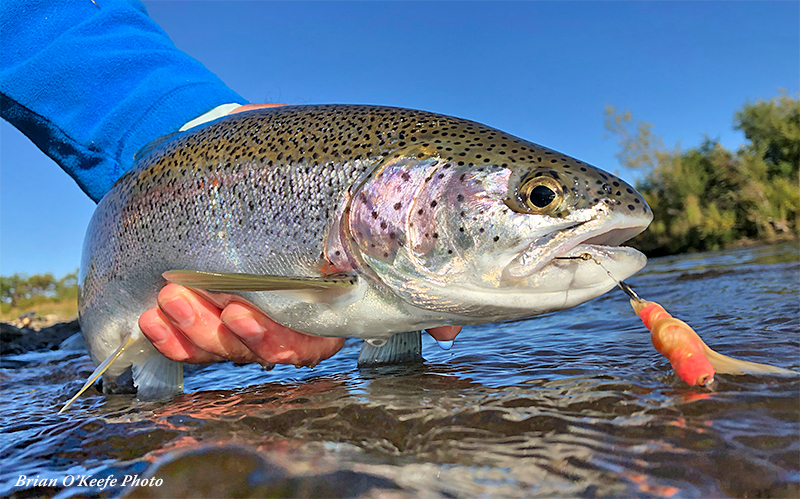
(24,321)
(15,340)
(226,471)
(32,320)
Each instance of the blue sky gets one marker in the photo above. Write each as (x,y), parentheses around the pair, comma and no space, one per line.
(540,70)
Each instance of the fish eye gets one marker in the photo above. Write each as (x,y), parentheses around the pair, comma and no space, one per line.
(540,195)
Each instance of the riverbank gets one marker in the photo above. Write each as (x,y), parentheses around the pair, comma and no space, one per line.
(16,340)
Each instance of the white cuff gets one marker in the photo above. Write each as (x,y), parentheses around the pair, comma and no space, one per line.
(215,113)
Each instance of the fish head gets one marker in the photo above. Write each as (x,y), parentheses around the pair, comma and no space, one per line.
(488,226)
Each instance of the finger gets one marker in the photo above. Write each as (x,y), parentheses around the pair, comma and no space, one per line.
(275,343)
(444,333)
(170,341)
(199,321)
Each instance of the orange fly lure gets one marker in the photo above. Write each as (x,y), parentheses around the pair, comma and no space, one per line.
(693,361)
(678,342)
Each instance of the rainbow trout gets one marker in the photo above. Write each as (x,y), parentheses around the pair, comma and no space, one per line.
(347,220)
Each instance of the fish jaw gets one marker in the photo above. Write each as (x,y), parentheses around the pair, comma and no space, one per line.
(602,230)
(570,282)
(560,274)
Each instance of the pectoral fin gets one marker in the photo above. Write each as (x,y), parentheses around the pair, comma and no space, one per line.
(227,281)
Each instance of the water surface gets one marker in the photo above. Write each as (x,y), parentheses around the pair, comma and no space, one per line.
(576,403)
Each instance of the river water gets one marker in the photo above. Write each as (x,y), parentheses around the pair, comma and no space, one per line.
(576,403)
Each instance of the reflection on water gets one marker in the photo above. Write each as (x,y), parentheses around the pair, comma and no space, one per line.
(576,403)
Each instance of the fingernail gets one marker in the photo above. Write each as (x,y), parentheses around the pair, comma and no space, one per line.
(246,328)
(179,311)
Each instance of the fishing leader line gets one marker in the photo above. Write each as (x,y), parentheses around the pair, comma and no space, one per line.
(622,285)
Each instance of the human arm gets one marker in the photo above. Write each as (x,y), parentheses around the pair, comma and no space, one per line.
(92,84)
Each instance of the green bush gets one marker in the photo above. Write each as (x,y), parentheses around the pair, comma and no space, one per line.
(20,292)
(707,197)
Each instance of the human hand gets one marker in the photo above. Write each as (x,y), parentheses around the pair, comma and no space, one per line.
(188,328)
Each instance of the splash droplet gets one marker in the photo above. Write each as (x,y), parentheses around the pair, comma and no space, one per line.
(445,345)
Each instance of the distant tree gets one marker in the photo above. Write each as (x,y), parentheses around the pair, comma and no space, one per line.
(773,129)
(640,147)
(11,290)
(40,285)
(66,288)
(772,161)
(23,291)
(707,197)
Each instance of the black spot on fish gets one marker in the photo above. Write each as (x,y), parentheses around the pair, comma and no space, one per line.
(397,206)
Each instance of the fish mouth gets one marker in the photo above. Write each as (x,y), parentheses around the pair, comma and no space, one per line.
(594,237)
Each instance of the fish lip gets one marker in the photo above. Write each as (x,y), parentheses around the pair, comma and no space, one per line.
(598,232)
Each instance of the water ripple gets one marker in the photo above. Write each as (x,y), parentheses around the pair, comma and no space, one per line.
(575,403)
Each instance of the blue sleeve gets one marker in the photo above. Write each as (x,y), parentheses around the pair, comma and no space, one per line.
(91,85)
